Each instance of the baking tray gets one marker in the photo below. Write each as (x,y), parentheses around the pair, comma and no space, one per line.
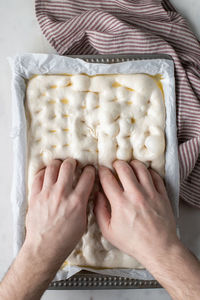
(86,280)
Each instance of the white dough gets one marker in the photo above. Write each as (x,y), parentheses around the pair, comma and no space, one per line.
(95,119)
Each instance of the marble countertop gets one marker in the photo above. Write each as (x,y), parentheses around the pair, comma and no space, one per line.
(20,33)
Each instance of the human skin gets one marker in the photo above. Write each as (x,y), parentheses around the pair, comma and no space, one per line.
(55,222)
(134,214)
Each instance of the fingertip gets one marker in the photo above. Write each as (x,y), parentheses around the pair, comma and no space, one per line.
(57,160)
(103,171)
(102,168)
(118,162)
(115,162)
(121,166)
(90,169)
(134,160)
(70,161)
(138,163)
(54,163)
(90,172)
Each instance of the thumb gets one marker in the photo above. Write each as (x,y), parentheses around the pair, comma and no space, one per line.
(102,214)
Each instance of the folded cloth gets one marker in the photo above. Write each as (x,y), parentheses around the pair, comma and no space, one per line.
(137,26)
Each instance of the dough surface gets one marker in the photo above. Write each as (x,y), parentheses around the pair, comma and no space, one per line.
(95,119)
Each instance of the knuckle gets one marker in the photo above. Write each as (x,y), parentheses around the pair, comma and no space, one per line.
(140,198)
(76,204)
(152,195)
(141,202)
(46,193)
(59,192)
(76,197)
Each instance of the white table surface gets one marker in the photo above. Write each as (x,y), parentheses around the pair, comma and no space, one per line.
(19,33)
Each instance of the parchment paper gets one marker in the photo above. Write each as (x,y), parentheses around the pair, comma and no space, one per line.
(23,67)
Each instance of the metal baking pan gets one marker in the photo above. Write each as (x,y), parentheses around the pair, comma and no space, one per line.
(86,280)
(116,58)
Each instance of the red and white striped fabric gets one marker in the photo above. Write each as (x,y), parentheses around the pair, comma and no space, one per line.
(137,26)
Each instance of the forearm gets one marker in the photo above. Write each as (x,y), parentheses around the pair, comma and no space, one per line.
(27,278)
(178,271)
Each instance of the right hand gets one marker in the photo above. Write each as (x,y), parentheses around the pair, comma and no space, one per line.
(140,220)
(56,218)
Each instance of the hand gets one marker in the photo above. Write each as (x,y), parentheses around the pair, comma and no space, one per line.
(55,222)
(140,220)
(56,217)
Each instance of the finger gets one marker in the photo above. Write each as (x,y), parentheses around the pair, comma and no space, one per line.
(126,175)
(86,182)
(158,182)
(38,182)
(109,183)
(66,175)
(51,173)
(102,214)
(143,175)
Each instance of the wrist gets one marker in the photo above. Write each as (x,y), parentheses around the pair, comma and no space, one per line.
(28,277)
(178,271)
(42,262)
(165,256)
(156,255)
(25,278)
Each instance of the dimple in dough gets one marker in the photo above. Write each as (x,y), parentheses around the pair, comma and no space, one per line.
(95,119)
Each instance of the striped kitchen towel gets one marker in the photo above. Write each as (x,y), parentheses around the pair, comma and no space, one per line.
(137,26)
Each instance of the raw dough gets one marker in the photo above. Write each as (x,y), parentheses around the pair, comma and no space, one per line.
(95,119)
